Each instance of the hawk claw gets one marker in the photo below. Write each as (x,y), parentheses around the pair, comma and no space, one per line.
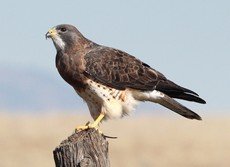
(88,125)
(85,127)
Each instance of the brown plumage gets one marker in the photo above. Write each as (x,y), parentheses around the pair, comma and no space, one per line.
(120,70)
(109,79)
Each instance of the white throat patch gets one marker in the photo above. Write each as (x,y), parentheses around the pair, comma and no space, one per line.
(59,43)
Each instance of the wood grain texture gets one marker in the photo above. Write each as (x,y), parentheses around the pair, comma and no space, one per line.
(86,148)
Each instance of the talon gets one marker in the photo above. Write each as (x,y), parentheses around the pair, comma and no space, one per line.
(83,127)
(88,125)
(93,125)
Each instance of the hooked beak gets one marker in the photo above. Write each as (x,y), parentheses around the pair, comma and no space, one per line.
(51,33)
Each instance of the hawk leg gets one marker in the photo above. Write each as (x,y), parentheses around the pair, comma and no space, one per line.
(93,125)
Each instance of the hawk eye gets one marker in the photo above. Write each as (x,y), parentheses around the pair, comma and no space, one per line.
(63,29)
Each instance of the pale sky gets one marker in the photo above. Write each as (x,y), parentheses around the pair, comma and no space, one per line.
(188,41)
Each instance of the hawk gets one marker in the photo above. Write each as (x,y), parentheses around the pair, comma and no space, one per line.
(111,81)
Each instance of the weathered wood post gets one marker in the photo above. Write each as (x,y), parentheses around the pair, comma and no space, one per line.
(87,148)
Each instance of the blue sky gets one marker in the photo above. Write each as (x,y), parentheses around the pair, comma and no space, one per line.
(188,41)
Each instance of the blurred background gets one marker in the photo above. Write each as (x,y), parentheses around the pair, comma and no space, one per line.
(188,41)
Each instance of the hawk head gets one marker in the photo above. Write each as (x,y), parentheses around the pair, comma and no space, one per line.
(64,36)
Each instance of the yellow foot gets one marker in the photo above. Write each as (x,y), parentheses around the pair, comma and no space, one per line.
(93,125)
(86,126)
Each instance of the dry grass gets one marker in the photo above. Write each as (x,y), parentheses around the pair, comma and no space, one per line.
(28,140)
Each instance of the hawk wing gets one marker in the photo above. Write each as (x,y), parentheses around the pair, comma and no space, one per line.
(120,70)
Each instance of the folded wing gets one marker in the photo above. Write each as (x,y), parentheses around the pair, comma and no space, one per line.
(120,70)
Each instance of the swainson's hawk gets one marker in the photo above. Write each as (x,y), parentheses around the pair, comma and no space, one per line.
(111,81)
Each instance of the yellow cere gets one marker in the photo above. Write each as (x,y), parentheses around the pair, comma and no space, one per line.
(53,32)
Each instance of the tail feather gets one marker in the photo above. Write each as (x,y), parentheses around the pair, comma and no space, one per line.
(175,106)
(166,101)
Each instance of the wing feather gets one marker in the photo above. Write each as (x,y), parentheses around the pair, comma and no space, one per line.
(120,70)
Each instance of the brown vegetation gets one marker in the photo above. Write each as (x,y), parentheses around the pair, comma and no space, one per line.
(28,140)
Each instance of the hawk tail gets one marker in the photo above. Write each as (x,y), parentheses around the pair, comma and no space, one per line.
(168,102)
(175,106)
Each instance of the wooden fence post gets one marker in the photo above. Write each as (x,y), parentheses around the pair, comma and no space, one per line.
(87,148)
